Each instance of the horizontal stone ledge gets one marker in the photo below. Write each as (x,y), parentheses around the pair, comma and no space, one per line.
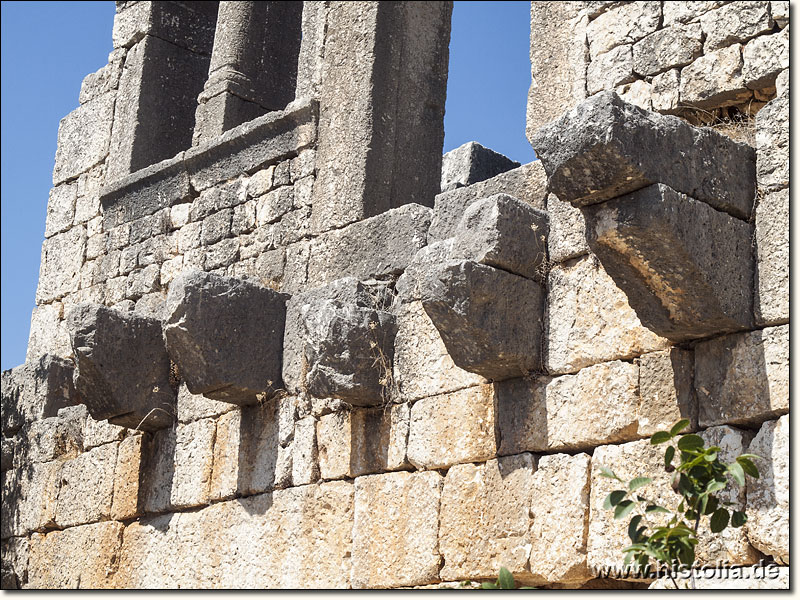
(243,149)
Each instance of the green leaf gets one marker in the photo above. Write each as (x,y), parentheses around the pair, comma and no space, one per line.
(751,456)
(506,579)
(736,470)
(679,426)
(606,472)
(623,509)
(613,499)
(738,518)
(748,467)
(632,528)
(489,585)
(690,442)
(659,437)
(715,485)
(719,520)
(638,482)
(710,456)
(713,504)
(655,508)
(669,454)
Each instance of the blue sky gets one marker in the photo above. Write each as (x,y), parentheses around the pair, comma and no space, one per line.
(48,48)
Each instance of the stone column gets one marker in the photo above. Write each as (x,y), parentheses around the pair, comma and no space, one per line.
(253,67)
(382,97)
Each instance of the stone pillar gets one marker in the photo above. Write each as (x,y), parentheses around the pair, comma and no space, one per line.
(382,98)
(253,67)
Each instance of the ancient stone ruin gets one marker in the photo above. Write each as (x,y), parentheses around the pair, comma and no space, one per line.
(280,341)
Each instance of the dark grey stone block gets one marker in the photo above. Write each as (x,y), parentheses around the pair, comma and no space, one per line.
(491,321)
(225,335)
(605,147)
(409,284)
(686,268)
(123,369)
(472,163)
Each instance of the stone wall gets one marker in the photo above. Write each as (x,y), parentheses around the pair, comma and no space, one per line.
(364,382)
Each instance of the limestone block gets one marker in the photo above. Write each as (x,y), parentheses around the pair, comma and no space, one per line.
(503,232)
(639,93)
(453,428)
(485,518)
(144,544)
(104,79)
(772,256)
(558,68)
(384,505)
(674,46)
(764,58)
(715,80)
(60,209)
(594,153)
(36,390)
(305,458)
(560,514)
(190,26)
(30,495)
(772,144)
(62,258)
(735,22)
(309,62)
(222,254)
(666,91)
(158,470)
(15,552)
(363,441)
(771,577)
(471,163)
(666,394)
(87,487)
(49,439)
(779,10)
(782,84)
(422,365)
(82,557)
(93,433)
(194,457)
(551,414)
(566,236)
(143,281)
(685,267)
(216,227)
(410,284)
(127,474)
(625,24)
(83,138)
(225,335)
(687,12)
(477,310)
(743,378)
(589,319)
(123,372)
(9,452)
(192,407)
(48,332)
(378,247)
(610,69)
(767,526)
(273,205)
(527,183)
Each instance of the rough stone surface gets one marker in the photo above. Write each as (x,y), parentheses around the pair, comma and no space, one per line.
(14,569)
(225,335)
(30,495)
(772,144)
(384,505)
(667,48)
(715,80)
(485,518)
(62,258)
(743,378)
(665,91)
(471,163)
(589,319)
(686,268)
(764,58)
(87,487)
(127,473)
(566,236)
(192,407)
(410,284)
(598,404)
(194,458)
(305,454)
(767,525)
(60,209)
(772,258)
(622,25)
(735,22)
(83,138)
(687,12)
(560,514)
(666,394)
(610,69)
(606,147)
(453,428)
(48,334)
(477,309)
(503,232)
(527,183)
(123,368)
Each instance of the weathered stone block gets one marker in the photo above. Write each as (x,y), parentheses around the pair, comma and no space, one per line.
(127,474)
(471,163)
(190,26)
(49,439)
(674,46)
(453,428)
(560,516)
(485,518)
(62,258)
(715,80)
(305,455)
(599,404)
(764,58)
(194,457)
(87,487)
(610,69)
(606,147)
(772,144)
(566,237)
(687,12)
(379,247)
(639,93)
(384,505)
(83,138)
(772,256)
(685,267)
(666,394)
(30,495)
(14,569)
(589,319)
(123,372)
(527,183)
(410,284)
(743,378)
(503,232)
(665,91)
(225,335)
(483,333)
(622,25)
(60,209)
(192,407)
(767,525)
(735,22)
(48,332)
(158,470)
(79,557)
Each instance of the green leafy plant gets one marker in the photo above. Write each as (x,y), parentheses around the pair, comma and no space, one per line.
(505,581)
(698,478)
